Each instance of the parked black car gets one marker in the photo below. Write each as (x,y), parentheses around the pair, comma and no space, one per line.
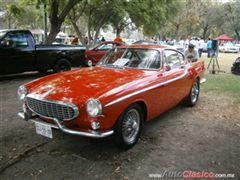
(18,53)
(236,66)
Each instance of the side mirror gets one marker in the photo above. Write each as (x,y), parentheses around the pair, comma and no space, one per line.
(167,68)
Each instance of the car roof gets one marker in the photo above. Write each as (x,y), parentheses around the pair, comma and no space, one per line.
(106,42)
(8,30)
(146,46)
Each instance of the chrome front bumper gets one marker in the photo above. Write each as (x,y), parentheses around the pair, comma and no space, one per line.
(58,125)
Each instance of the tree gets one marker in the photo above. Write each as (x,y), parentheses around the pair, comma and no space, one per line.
(95,14)
(151,14)
(232,16)
(74,16)
(58,10)
(12,12)
(120,18)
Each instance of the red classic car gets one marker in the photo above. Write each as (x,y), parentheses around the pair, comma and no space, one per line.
(94,54)
(128,87)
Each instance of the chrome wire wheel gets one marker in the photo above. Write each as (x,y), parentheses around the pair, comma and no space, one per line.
(130,126)
(195,92)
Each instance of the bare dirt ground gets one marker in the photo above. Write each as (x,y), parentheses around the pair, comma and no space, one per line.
(203,138)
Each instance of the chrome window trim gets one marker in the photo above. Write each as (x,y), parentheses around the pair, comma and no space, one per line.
(37,97)
(144,69)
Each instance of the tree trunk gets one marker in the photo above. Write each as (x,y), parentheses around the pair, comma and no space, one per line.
(79,33)
(53,33)
(98,27)
(57,19)
(237,33)
(205,31)
(45,22)
(9,22)
(118,31)
(177,31)
(89,29)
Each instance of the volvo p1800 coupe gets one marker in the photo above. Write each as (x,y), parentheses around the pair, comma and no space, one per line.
(129,86)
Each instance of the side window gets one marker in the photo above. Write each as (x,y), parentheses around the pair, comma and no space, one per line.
(105,47)
(173,58)
(16,39)
(155,61)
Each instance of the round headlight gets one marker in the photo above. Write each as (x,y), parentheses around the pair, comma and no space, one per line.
(94,107)
(22,92)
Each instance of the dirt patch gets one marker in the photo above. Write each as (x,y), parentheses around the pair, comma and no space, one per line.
(203,138)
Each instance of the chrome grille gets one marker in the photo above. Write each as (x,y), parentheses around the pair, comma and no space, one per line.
(52,109)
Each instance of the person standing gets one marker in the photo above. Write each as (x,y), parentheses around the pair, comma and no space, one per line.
(98,40)
(187,42)
(201,46)
(209,47)
(103,39)
(181,43)
(118,39)
(75,41)
(194,41)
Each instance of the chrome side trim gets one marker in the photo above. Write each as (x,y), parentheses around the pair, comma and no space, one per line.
(58,125)
(203,80)
(146,89)
(75,108)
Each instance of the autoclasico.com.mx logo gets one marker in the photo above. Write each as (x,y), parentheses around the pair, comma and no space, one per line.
(191,174)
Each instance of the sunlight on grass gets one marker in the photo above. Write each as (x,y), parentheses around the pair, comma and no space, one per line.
(223,83)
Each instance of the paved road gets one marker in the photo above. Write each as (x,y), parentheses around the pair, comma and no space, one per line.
(203,138)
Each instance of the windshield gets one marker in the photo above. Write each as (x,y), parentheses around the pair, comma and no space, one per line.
(132,58)
(2,34)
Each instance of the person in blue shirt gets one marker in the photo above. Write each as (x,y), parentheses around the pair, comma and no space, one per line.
(209,47)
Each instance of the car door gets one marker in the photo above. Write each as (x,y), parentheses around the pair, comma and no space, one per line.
(176,76)
(18,53)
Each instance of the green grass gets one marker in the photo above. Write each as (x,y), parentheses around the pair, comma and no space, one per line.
(223,83)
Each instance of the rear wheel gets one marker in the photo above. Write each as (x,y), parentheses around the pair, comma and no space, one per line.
(194,94)
(128,128)
(62,65)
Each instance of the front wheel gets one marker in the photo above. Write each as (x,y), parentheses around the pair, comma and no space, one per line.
(128,128)
(194,94)
(62,65)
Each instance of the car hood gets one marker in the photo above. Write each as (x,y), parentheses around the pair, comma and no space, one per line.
(79,85)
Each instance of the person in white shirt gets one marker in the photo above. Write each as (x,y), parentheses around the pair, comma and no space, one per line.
(194,42)
(181,43)
(191,54)
(187,42)
(201,45)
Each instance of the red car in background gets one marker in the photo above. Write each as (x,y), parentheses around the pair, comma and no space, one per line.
(94,54)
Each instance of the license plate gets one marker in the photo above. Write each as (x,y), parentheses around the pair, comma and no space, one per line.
(43,130)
